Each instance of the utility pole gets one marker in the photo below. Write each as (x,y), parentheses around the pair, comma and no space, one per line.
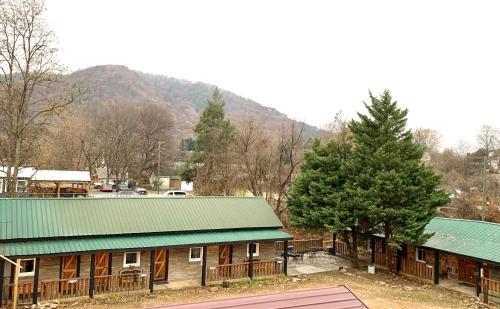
(158,172)
(483,209)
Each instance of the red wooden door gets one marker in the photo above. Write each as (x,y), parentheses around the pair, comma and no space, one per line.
(470,269)
(161,265)
(101,281)
(69,270)
(224,254)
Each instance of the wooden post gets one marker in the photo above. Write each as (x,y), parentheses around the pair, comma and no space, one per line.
(250,260)
(436,267)
(478,278)
(58,186)
(16,283)
(485,293)
(398,261)
(334,244)
(35,281)
(285,258)
(151,270)
(372,241)
(92,275)
(204,254)
(2,269)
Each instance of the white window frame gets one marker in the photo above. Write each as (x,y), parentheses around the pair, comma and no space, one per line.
(27,274)
(137,258)
(424,255)
(25,185)
(256,250)
(1,185)
(196,259)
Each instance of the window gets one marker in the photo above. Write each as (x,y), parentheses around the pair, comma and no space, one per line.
(420,255)
(1,185)
(131,259)
(255,250)
(195,254)
(28,268)
(21,185)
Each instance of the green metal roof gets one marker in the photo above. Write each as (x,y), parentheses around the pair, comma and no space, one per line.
(476,239)
(88,217)
(121,243)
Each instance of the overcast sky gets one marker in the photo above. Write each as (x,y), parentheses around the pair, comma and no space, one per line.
(308,59)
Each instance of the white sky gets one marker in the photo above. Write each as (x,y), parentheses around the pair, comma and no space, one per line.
(308,59)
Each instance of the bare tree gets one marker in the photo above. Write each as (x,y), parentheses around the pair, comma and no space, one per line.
(253,160)
(287,154)
(428,139)
(29,70)
(488,138)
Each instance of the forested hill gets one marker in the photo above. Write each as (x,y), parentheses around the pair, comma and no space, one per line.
(114,83)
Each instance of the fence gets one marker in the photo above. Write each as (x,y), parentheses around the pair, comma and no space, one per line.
(491,289)
(418,269)
(301,246)
(76,287)
(240,270)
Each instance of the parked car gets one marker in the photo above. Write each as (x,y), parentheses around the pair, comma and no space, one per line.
(123,187)
(106,188)
(128,194)
(176,193)
(141,191)
(97,185)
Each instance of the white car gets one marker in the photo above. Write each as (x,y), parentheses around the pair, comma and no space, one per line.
(175,193)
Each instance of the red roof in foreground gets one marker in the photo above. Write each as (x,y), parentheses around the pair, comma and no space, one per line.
(332,298)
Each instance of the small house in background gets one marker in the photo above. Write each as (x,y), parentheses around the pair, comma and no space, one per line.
(33,182)
(101,174)
(167,182)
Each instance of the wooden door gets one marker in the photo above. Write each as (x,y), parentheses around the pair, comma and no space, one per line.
(102,263)
(224,255)
(470,269)
(161,265)
(461,270)
(69,270)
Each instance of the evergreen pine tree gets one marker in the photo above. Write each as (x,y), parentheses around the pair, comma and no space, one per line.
(400,192)
(321,198)
(210,166)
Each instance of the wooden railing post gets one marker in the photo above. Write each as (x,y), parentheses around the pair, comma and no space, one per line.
(92,275)
(485,292)
(334,244)
(478,278)
(398,261)
(35,281)
(204,266)
(2,268)
(285,258)
(436,267)
(151,270)
(250,260)
(372,241)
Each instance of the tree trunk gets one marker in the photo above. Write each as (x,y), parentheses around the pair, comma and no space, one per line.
(389,251)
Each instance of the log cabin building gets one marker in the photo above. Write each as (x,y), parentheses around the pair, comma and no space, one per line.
(82,247)
(463,251)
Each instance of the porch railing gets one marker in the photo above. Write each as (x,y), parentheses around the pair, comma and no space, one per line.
(121,283)
(418,269)
(69,288)
(490,288)
(301,246)
(240,270)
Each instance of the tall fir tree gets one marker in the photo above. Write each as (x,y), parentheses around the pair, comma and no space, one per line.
(322,198)
(211,164)
(401,193)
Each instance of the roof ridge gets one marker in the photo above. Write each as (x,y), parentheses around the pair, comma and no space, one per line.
(465,220)
(122,197)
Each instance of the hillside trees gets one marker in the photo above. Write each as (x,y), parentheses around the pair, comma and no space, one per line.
(123,137)
(31,94)
(402,194)
(212,163)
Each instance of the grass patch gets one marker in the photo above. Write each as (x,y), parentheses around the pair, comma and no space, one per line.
(252,283)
